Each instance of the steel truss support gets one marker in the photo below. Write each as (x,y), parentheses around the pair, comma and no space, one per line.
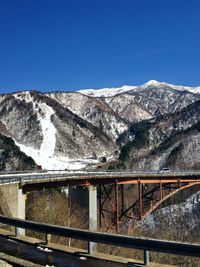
(122,198)
(116,208)
(161,191)
(140,193)
(112,208)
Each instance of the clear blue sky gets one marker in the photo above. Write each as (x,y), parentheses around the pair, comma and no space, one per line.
(73,44)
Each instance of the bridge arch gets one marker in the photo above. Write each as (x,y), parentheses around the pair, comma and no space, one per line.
(155,206)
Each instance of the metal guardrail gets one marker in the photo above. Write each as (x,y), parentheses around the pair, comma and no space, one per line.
(144,244)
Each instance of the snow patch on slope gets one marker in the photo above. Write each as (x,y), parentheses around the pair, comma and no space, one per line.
(48,130)
(45,155)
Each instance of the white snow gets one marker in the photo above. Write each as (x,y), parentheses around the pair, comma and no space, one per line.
(49,132)
(25,95)
(151,82)
(44,249)
(82,258)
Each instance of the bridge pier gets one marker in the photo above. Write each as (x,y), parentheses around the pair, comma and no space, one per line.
(21,210)
(87,197)
(92,190)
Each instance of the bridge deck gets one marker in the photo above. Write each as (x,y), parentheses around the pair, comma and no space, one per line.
(96,178)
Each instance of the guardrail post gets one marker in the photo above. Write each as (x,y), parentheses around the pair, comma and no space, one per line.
(16,231)
(47,238)
(146,257)
(92,216)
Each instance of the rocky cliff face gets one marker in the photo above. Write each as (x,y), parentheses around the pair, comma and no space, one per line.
(11,156)
(94,110)
(149,126)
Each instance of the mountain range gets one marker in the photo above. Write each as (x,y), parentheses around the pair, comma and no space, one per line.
(142,127)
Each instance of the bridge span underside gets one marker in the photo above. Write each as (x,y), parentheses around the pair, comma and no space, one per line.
(145,199)
(114,203)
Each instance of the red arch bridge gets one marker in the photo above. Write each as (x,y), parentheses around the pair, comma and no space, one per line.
(111,195)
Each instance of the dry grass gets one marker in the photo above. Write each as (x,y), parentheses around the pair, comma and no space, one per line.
(52,206)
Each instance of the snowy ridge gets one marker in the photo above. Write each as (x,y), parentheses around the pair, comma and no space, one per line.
(195,90)
(108,92)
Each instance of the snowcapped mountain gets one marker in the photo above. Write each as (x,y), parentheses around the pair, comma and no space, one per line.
(108,92)
(61,130)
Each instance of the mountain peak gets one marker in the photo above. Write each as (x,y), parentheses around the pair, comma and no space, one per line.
(156,84)
(152,82)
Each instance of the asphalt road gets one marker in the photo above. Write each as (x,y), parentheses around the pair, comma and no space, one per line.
(50,258)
